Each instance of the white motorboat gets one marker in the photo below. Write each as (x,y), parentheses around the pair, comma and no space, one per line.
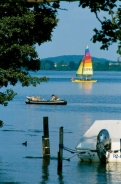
(101,143)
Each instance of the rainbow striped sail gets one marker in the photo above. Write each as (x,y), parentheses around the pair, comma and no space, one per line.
(85,69)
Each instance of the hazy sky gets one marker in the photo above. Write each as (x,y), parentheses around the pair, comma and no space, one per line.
(73,33)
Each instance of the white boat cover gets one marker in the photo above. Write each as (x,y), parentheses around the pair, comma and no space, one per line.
(89,139)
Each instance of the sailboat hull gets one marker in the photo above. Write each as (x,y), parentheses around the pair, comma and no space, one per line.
(79,80)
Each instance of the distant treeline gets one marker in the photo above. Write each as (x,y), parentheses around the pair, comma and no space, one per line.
(73,66)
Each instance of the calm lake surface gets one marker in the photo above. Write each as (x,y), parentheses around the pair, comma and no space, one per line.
(87,102)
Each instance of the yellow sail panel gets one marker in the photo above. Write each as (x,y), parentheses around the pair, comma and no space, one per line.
(88,64)
(79,72)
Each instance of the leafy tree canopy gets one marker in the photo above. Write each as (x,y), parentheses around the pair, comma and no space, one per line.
(22,25)
(110,25)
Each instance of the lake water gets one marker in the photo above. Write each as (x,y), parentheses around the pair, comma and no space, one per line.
(87,102)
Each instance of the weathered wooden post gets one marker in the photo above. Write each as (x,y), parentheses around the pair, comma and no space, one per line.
(60,153)
(45,138)
(120,146)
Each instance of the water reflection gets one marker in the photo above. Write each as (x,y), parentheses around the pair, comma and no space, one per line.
(46,177)
(113,172)
(45,170)
(87,86)
(99,173)
(109,173)
(60,179)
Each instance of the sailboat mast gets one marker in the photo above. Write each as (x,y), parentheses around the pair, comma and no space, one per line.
(83,67)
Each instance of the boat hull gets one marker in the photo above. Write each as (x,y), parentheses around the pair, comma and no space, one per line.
(92,156)
(101,142)
(87,156)
(46,102)
(78,80)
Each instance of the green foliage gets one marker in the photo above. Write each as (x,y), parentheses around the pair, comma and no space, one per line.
(98,66)
(110,24)
(73,66)
(22,26)
(6,96)
(47,65)
(115,67)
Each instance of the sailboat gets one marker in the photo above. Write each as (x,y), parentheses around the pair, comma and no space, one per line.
(85,70)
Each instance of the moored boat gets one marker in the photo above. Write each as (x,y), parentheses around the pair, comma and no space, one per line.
(101,143)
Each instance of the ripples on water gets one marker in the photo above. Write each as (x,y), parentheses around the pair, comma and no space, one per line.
(86,103)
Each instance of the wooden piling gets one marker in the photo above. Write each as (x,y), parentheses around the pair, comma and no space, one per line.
(60,153)
(120,146)
(45,127)
(45,138)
